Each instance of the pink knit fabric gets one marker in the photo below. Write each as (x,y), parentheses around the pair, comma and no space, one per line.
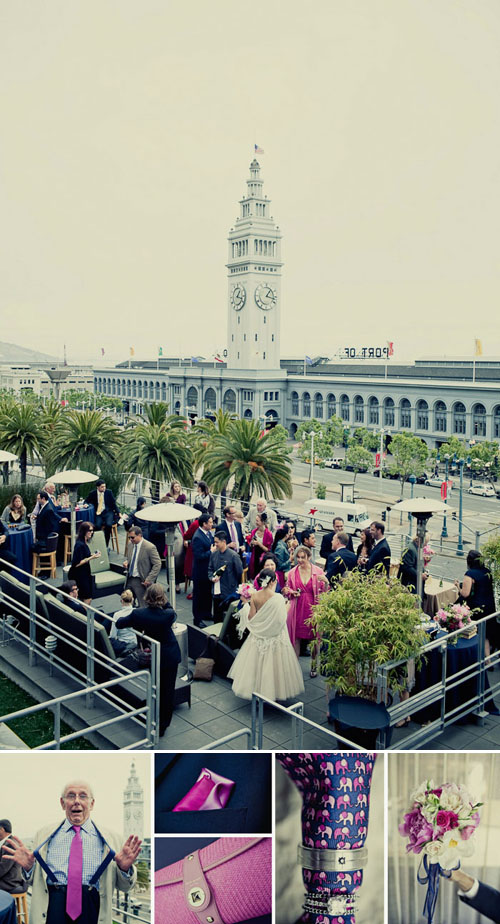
(241,885)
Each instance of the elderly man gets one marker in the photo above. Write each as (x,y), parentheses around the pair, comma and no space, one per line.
(340,560)
(260,507)
(11,873)
(326,542)
(143,564)
(75,868)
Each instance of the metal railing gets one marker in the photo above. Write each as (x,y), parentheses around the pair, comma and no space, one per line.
(39,629)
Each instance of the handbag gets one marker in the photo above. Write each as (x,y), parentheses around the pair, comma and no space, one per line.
(204,665)
(141,654)
(226,882)
(211,791)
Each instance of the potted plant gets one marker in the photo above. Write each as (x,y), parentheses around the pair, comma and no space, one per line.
(364,623)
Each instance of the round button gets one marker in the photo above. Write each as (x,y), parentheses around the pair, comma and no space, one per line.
(196,897)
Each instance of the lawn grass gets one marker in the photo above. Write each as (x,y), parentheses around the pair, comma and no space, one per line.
(38,728)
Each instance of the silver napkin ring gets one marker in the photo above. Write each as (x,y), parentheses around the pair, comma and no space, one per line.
(328,903)
(330,860)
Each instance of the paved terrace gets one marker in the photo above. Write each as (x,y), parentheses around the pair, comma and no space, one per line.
(215,711)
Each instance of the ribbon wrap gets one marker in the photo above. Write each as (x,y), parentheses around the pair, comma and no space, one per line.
(335,789)
(430,878)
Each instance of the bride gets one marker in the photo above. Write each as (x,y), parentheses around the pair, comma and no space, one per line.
(266,662)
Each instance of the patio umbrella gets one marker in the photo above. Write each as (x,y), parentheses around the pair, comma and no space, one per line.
(170,514)
(72,477)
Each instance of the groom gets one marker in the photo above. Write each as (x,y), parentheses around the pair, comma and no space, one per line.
(482,897)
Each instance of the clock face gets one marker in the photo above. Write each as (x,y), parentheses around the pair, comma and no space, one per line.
(238,296)
(137,814)
(265,296)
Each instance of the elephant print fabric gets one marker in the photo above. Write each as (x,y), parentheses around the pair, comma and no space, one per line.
(336,798)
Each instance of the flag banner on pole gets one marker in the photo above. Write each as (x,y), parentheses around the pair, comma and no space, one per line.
(308,360)
(132,351)
(160,351)
(478,348)
(102,351)
(258,150)
(194,359)
(390,348)
(217,358)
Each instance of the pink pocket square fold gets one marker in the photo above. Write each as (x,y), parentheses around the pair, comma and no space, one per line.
(211,791)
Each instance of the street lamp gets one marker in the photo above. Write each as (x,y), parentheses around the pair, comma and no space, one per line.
(460,545)
(422,509)
(444,531)
(413,482)
(382,448)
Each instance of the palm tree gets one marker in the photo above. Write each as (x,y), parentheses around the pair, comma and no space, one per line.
(21,432)
(158,452)
(156,413)
(83,439)
(201,437)
(256,461)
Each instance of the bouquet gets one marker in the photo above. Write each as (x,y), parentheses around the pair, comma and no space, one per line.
(427,552)
(454,617)
(245,591)
(440,826)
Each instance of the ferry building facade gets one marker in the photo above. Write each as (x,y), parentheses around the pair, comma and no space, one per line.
(433,399)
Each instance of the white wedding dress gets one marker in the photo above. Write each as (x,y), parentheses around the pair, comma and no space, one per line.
(266,662)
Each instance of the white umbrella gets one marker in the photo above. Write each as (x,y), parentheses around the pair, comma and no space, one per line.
(170,514)
(422,509)
(72,477)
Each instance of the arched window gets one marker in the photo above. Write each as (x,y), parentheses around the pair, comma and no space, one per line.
(440,417)
(118,387)
(295,403)
(496,421)
(192,397)
(139,390)
(331,405)
(459,417)
(306,404)
(177,408)
(479,420)
(157,391)
(134,388)
(388,412)
(359,409)
(318,405)
(229,402)
(405,413)
(373,411)
(163,391)
(422,415)
(344,407)
(247,413)
(151,391)
(210,399)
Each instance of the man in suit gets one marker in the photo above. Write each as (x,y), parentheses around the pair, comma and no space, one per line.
(326,542)
(341,560)
(47,522)
(481,897)
(380,556)
(106,510)
(233,530)
(260,507)
(202,547)
(75,868)
(223,585)
(11,873)
(143,564)
(308,539)
(408,568)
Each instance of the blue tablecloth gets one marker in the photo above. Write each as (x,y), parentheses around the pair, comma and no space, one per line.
(20,544)
(82,515)
(458,657)
(7,908)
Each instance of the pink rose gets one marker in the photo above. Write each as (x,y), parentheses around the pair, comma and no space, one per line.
(467,832)
(437,792)
(417,829)
(446,820)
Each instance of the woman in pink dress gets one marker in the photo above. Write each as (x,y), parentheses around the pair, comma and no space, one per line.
(260,541)
(304,584)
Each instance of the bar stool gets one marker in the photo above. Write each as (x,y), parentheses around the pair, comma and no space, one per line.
(114,538)
(67,548)
(47,558)
(21,907)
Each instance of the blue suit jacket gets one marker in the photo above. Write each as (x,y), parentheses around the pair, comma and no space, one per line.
(201,545)
(223,527)
(487,902)
(339,563)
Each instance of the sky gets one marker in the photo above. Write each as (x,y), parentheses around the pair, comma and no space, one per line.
(32,785)
(127,128)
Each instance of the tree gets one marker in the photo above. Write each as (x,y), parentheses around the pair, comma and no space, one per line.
(304,437)
(158,452)
(367,438)
(409,456)
(21,432)
(358,458)
(335,432)
(202,435)
(85,440)
(256,461)
(452,447)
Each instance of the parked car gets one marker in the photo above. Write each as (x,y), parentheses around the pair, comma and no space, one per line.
(333,463)
(484,490)
(435,481)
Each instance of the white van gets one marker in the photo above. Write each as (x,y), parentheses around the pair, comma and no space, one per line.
(355,516)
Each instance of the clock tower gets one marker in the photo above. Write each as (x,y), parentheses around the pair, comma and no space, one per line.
(254,282)
(133,806)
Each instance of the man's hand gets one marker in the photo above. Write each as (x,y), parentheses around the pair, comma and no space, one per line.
(129,853)
(463,881)
(125,564)
(2,539)
(64,520)
(15,850)
(146,583)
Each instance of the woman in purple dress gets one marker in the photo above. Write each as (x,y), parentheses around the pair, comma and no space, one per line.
(304,583)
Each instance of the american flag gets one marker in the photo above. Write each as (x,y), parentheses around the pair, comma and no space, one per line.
(258,150)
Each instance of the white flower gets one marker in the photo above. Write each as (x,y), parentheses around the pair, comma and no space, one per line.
(451,799)
(434,850)
(454,849)
(420,793)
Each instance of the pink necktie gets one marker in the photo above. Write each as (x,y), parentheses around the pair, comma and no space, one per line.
(75,869)
(233,533)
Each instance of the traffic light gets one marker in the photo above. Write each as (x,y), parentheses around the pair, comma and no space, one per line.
(384,516)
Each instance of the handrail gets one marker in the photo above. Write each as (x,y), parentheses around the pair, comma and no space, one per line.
(300,720)
(230,737)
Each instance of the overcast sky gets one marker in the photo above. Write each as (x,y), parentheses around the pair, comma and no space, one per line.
(127,129)
(32,786)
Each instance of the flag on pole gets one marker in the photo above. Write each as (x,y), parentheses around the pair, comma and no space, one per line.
(194,359)
(217,358)
(478,348)
(308,360)
(160,351)
(102,351)
(258,150)
(132,351)
(390,348)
